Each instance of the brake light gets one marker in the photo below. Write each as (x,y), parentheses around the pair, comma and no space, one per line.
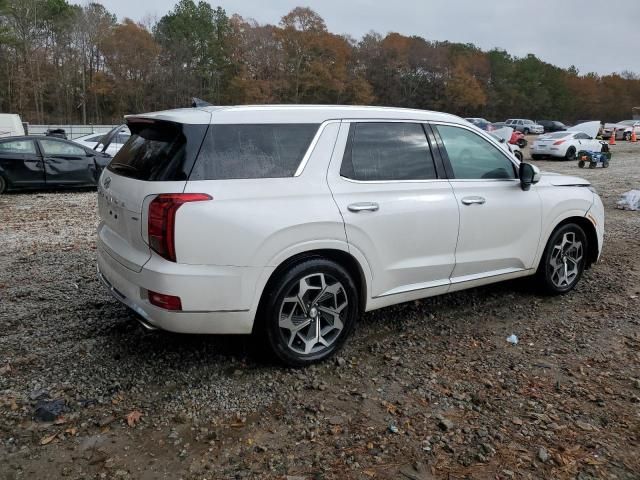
(162,217)
(559,142)
(168,302)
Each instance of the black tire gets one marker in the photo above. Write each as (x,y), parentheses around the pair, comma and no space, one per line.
(592,164)
(605,164)
(581,164)
(537,157)
(627,136)
(3,185)
(287,344)
(550,270)
(518,155)
(571,153)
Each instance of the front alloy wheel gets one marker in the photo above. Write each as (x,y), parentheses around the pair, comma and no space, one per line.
(310,312)
(563,261)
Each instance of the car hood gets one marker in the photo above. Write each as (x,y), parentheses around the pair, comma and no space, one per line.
(590,128)
(559,180)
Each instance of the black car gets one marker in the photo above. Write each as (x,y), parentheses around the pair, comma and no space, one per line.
(37,162)
(552,126)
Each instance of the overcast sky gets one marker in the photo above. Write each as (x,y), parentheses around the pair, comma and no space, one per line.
(594,35)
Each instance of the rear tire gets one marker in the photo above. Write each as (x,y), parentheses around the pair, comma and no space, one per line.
(310,312)
(571,153)
(3,185)
(536,157)
(563,261)
(581,164)
(627,136)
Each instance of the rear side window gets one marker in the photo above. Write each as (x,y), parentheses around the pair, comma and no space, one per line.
(253,151)
(23,147)
(158,151)
(387,151)
(53,147)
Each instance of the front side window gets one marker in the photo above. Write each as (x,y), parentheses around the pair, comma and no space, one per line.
(20,147)
(52,147)
(472,157)
(253,151)
(387,151)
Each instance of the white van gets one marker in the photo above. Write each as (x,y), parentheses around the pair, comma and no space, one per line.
(11,125)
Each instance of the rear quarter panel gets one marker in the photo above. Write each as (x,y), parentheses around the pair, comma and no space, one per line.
(262,222)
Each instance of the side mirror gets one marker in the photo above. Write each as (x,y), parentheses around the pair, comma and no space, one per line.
(529,175)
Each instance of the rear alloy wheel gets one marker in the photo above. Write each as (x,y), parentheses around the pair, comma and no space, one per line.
(571,154)
(310,312)
(563,261)
(3,185)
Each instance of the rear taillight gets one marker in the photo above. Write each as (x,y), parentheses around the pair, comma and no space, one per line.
(162,218)
(559,142)
(168,302)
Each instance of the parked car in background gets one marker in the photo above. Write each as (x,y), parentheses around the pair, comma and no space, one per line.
(568,143)
(38,161)
(523,125)
(552,126)
(623,129)
(503,135)
(10,125)
(56,132)
(481,123)
(342,202)
(110,142)
(518,138)
(498,125)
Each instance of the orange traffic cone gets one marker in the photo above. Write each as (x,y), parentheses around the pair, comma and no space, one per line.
(612,138)
(634,138)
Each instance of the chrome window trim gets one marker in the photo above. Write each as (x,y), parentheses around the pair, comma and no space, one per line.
(312,146)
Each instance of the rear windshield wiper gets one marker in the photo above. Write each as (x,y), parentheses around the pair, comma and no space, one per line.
(123,167)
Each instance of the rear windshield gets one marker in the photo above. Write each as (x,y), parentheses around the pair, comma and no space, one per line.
(253,151)
(158,151)
(556,135)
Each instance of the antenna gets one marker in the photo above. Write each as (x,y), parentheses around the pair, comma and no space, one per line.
(198,103)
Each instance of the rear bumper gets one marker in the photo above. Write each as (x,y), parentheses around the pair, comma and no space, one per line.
(216,300)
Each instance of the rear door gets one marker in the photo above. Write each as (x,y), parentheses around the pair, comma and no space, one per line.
(499,222)
(21,163)
(157,159)
(399,211)
(66,163)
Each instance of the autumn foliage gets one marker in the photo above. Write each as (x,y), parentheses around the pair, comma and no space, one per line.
(63,63)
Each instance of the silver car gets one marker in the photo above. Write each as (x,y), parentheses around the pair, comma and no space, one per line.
(623,129)
(525,126)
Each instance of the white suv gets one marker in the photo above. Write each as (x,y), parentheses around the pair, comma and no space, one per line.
(289,221)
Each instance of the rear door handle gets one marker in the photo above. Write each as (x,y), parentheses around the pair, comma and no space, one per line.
(363,207)
(473,200)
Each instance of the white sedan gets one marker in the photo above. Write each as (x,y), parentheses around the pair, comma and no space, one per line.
(568,143)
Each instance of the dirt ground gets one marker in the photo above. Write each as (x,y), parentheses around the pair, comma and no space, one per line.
(424,390)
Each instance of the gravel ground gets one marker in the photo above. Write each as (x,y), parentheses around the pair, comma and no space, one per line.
(424,390)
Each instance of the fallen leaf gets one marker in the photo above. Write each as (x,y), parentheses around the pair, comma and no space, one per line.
(71,431)
(49,439)
(133,417)
(59,421)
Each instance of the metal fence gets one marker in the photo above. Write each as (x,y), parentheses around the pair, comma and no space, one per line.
(72,131)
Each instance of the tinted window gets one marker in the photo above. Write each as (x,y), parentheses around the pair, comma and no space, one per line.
(473,157)
(387,151)
(159,151)
(52,147)
(253,151)
(23,147)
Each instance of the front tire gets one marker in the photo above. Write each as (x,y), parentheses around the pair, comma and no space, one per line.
(310,311)
(3,185)
(563,260)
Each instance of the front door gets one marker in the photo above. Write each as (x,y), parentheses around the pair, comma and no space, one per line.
(66,163)
(398,212)
(500,223)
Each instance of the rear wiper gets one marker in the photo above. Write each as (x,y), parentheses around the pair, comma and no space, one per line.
(123,167)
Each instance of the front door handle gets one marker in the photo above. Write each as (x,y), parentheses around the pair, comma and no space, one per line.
(473,200)
(363,207)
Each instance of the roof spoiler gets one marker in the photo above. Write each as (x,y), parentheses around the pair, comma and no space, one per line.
(199,103)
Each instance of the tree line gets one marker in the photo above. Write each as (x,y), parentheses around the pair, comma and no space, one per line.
(65,63)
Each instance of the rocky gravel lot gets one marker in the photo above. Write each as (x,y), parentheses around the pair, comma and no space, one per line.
(424,390)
